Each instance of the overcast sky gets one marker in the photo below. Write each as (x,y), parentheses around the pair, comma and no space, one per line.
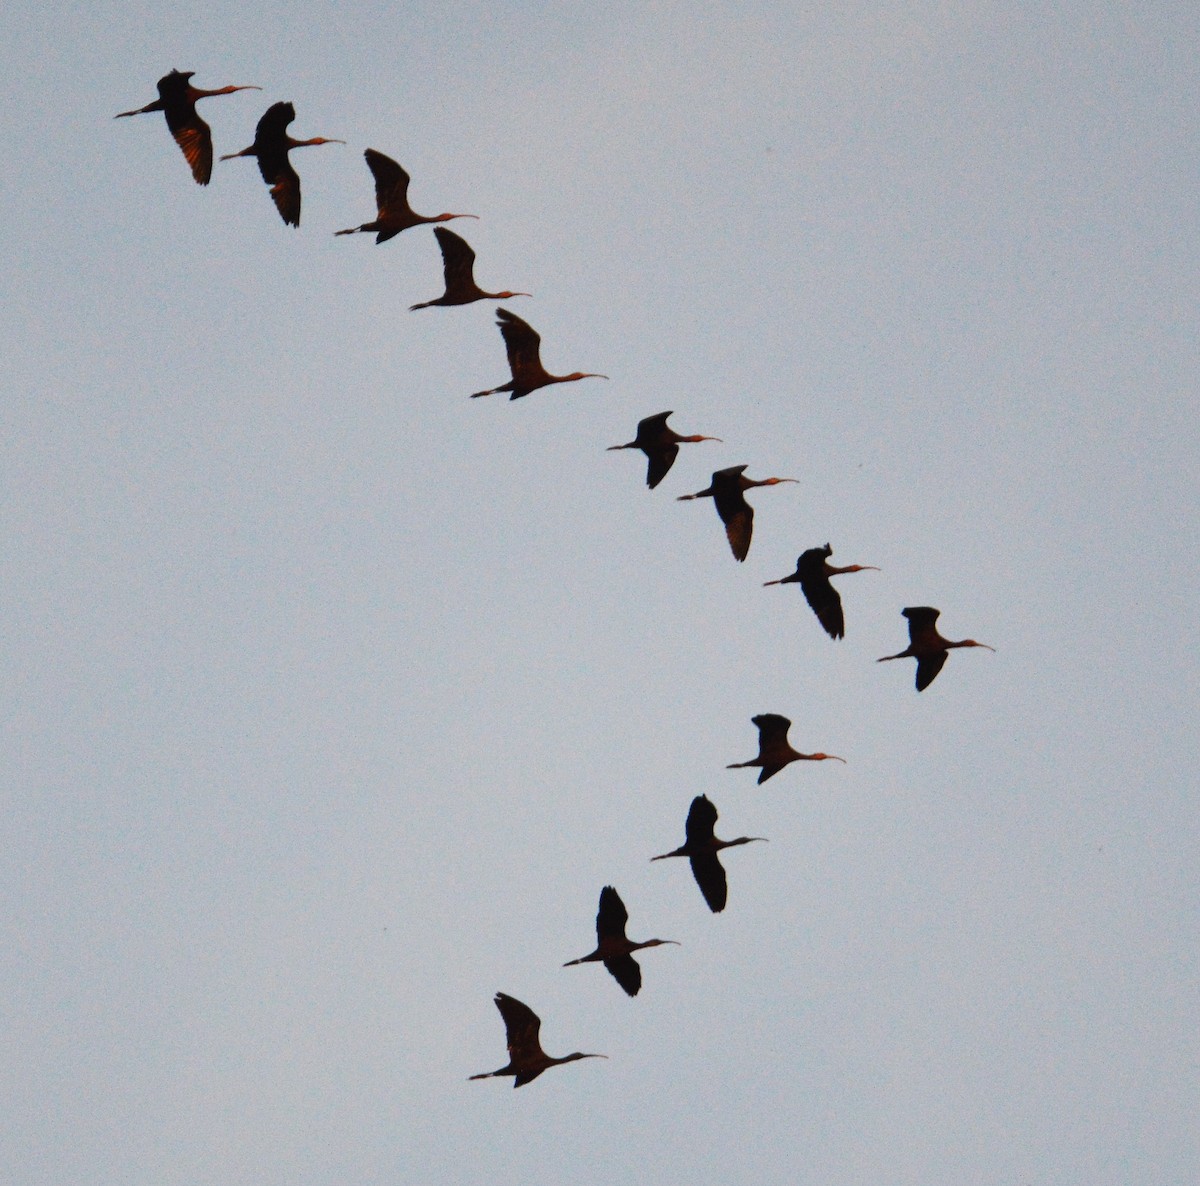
(331,698)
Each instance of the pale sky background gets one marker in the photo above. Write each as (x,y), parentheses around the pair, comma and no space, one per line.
(331,698)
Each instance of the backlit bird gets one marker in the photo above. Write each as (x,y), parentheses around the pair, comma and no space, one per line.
(271,146)
(701,848)
(774,752)
(526,1058)
(813,571)
(523,344)
(727,490)
(926,645)
(660,443)
(458,267)
(391,201)
(613,949)
(177,101)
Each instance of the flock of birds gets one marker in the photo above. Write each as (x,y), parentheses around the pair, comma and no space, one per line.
(177,99)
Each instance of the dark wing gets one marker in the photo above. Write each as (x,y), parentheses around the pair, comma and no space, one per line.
(927,668)
(922,624)
(825,602)
(285,189)
(701,820)
(738,516)
(194,138)
(273,126)
(611,917)
(710,877)
(769,770)
(772,728)
(661,458)
(523,344)
(626,972)
(391,182)
(458,261)
(521,1025)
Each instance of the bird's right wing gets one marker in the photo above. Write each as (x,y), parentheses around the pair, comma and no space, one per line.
(826,604)
(710,877)
(928,668)
(194,138)
(626,972)
(661,460)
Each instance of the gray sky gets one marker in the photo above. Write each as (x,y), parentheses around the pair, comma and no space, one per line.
(332,698)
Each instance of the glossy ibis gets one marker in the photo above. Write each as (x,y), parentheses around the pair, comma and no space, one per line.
(728,490)
(613,949)
(526,1058)
(774,752)
(523,344)
(813,571)
(660,443)
(926,645)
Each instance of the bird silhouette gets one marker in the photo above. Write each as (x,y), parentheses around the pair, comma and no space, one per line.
(926,645)
(774,752)
(177,101)
(458,266)
(613,949)
(526,1058)
(813,571)
(728,490)
(523,344)
(660,443)
(701,848)
(271,146)
(391,200)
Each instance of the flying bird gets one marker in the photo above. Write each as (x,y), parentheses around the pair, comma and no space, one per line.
(613,949)
(701,848)
(728,490)
(523,344)
(813,571)
(660,443)
(458,265)
(774,752)
(926,645)
(391,200)
(271,146)
(526,1058)
(177,101)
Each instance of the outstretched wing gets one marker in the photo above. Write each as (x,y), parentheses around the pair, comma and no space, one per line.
(391,181)
(194,138)
(458,260)
(626,972)
(701,820)
(523,344)
(661,458)
(738,516)
(285,189)
(710,877)
(826,603)
(521,1024)
(611,917)
(927,668)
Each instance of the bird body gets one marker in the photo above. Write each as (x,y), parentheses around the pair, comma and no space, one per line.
(926,645)
(728,491)
(660,443)
(613,949)
(391,201)
(271,146)
(774,752)
(813,571)
(458,268)
(701,848)
(177,101)
(526,1058)
(523,344)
